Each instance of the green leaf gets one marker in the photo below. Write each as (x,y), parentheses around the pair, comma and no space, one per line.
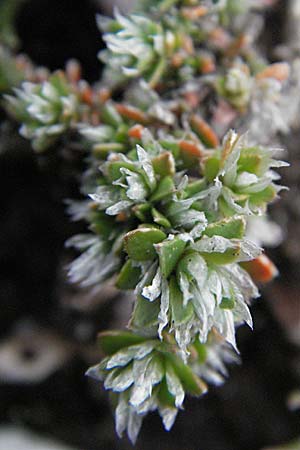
(113,169)
(227,303)
(110,115)
(164,188)
(58,80)
(264,196)
(191,382)
(227,257)
(103,149)
(180,314)
(225,208)
(114,340)
(142,211)
(160,219)
(165,397)
(139,243)
(201,350)
(164,164)
(122,134)
(250,160)
(218,250)
(211,168)
(129,276)
(102,224)
(169,253)
(194,187)
(145,315)
(171,146)
(232,227)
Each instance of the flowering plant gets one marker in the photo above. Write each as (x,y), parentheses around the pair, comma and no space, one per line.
(168,193)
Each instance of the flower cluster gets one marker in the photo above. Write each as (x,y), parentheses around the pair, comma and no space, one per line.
(138,44)
(145,375)
(184,237)
(46,110)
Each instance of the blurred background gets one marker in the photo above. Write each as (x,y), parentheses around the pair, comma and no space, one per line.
(48,329)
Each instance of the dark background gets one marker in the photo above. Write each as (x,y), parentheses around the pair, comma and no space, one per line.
(247,413)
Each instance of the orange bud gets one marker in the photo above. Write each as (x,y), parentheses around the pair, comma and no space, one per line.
(177,59)
(22,61)
(188,45)
(261,269)
(190,148)
(220,38)
(93,206)
(207,65)
(104,94)
(121,217)
(205,132)
(279,71)
(237,45)
(86,92)
(194,12)
(73,71)
(131,113)
(41,74)
(136,131)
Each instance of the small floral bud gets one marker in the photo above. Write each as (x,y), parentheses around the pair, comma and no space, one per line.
(73,71)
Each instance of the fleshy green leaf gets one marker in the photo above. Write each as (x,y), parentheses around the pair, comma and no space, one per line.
(165,188)
(114,340)
(227,303)
(142,211)
(250,160)
(233,227)
(180,314)
(110,115)
(195,187)
(114,167)
(211,168)
(128,276)
(191,383)
(164,164)
(264,196)
(169,253)
(218,250)
(145,315)
(160,219)
(139,243)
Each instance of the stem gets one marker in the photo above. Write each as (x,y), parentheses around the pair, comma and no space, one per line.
(158,73)
(100,149)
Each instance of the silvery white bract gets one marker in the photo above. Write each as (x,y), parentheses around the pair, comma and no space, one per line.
(218,291)
(45,109)
(240,188)
(78,209)
(146,379)
(267,111)
(217,353)
(141,95)
(101,133)
(135,47)
(133,186)
(95,264)
(237,87)
(135,373)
